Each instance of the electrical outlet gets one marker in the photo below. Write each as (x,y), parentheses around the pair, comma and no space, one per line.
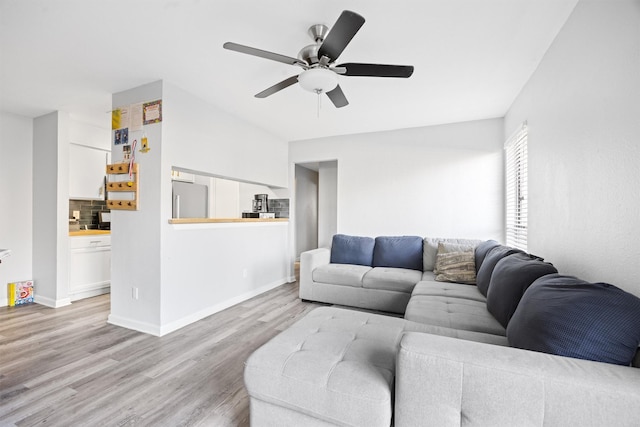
(245,273)
(134,292)
(76,215)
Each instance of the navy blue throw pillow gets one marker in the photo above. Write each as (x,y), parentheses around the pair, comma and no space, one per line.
(511,277)
(482,250)
(398,252)
(483,278)
(352,250)
(567,316)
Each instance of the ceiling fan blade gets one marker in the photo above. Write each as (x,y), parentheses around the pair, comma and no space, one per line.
(340,35)
(264,54)
(377,70)
(337,97)
(277,87)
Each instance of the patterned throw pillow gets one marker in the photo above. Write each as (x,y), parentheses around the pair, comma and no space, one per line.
(459,267)
(445,248)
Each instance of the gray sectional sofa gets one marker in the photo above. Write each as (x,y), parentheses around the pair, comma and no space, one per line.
(376,287)
(462,354)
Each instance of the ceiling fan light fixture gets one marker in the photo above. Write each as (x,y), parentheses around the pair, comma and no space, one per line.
(318,80)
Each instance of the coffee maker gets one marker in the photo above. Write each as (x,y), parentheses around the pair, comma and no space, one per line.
(260,203)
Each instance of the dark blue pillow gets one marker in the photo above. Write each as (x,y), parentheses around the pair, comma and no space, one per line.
(398,252)
(512,276)
(352,250)
(482,250)
(567,316)
(483,278)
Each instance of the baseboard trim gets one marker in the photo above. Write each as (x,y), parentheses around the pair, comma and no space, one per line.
(187,320)
(135,325)
(161,330)
(49,302)
(89,293)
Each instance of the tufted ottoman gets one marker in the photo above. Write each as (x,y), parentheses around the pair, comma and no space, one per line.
(334,366)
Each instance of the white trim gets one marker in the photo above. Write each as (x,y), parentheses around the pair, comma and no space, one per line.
(162,330)
(187,320)
(53,303)
(91,292)
(135,325)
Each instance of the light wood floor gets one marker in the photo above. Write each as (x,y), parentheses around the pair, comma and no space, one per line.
(68,367)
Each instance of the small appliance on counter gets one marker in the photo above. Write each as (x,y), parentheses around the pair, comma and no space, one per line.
(258,214)
(104,220)
(260,203)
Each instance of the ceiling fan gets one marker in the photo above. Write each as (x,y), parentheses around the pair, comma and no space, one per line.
(320,73)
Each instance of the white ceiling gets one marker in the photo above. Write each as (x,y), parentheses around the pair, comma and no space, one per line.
(471,57)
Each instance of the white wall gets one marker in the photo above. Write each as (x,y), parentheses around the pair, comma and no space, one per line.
(16,182)
(583,111)
(90,135)
(51,209)
(219,265)
(207,139)
(432,181)
(186,272)
(135,235)
(209,267)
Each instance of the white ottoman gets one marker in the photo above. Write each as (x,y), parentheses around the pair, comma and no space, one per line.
(334,366)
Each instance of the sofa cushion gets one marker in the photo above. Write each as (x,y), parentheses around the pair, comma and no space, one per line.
(511,277)
(450,290)
(340,274)
(482,250)
(398,252)
(428,275)
(391,279)
(337,366)
(459,267)
(483,279)
(567,316)
(455,313)
(352,250)
(430,249)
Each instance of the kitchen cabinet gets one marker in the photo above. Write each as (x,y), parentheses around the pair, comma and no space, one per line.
(177,175)
(87,170)
(89,266)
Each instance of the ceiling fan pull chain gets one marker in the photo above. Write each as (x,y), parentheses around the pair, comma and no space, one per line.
(319,101)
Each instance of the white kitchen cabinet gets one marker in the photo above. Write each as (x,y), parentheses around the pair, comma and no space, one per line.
(87,169)
(89,266)
(177,175)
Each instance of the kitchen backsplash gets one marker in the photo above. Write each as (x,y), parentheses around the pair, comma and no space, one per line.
(88,212)
(280,207)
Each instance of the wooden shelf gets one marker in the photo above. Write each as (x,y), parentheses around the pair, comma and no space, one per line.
(122,186)
(127,186)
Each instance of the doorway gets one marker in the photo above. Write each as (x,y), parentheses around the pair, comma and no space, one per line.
(316,188)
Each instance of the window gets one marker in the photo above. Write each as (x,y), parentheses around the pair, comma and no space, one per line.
(516,188)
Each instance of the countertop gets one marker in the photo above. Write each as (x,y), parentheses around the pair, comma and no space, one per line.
(223,220)
(88,232)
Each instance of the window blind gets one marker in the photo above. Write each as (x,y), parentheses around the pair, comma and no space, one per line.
(516,189)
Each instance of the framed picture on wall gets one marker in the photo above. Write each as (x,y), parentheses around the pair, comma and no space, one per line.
(152,112)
